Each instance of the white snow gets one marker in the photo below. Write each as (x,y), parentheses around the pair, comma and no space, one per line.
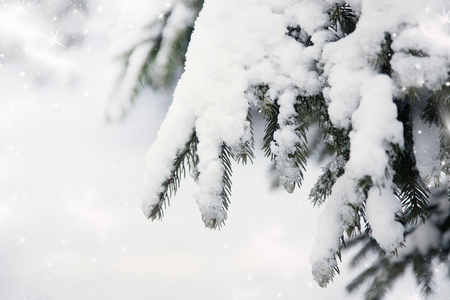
(69,224)
(135,33)
(381,207)
(336,217)
(286,139)
(375,126)
(360,100)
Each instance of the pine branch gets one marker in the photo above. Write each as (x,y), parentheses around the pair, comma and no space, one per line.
(318,110)
(270,113)
(438,106)
(382,283)
(370,246)
(384,271)
(355,227)
(324,184)
(416,52)
(411,189)
(187,155)
(383,61)
(361,278)
(444,137)
(165,75)
(245,152)
(422,269)
(337,144)
(342,14)
(225,157)
(226,177)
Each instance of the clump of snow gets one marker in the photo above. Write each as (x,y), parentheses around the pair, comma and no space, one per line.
(336,217)
(429,72)
(427,236)
(126,89)
(375,126)
(381,207)
(238,45)
(287,140)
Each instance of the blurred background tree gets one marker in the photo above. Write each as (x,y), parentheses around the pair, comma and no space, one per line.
(150,56)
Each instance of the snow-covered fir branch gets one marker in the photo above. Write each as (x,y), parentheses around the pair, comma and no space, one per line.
(369,73)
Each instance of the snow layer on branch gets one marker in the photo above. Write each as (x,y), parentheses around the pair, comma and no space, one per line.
(309,14)
(423,29)
(286,141)
(236,44)
(336,217)
(125,91)
(362,101)
(172,135)
(347,60)
(375,125)
(135,36)
(381,208)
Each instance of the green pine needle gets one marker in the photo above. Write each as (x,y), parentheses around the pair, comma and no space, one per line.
(187,155)
(225,156)
(341,14)
(245,153)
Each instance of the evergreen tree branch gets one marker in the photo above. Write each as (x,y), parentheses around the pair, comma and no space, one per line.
(245,151)
(422,269)
(384,271)
(343,19)
(211,214)
(296,159)
(383,61)
(361,278)
(300,35)
(385,280)
(411,190)
(438,106)
(324,184)
(270,113)
(187,155)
